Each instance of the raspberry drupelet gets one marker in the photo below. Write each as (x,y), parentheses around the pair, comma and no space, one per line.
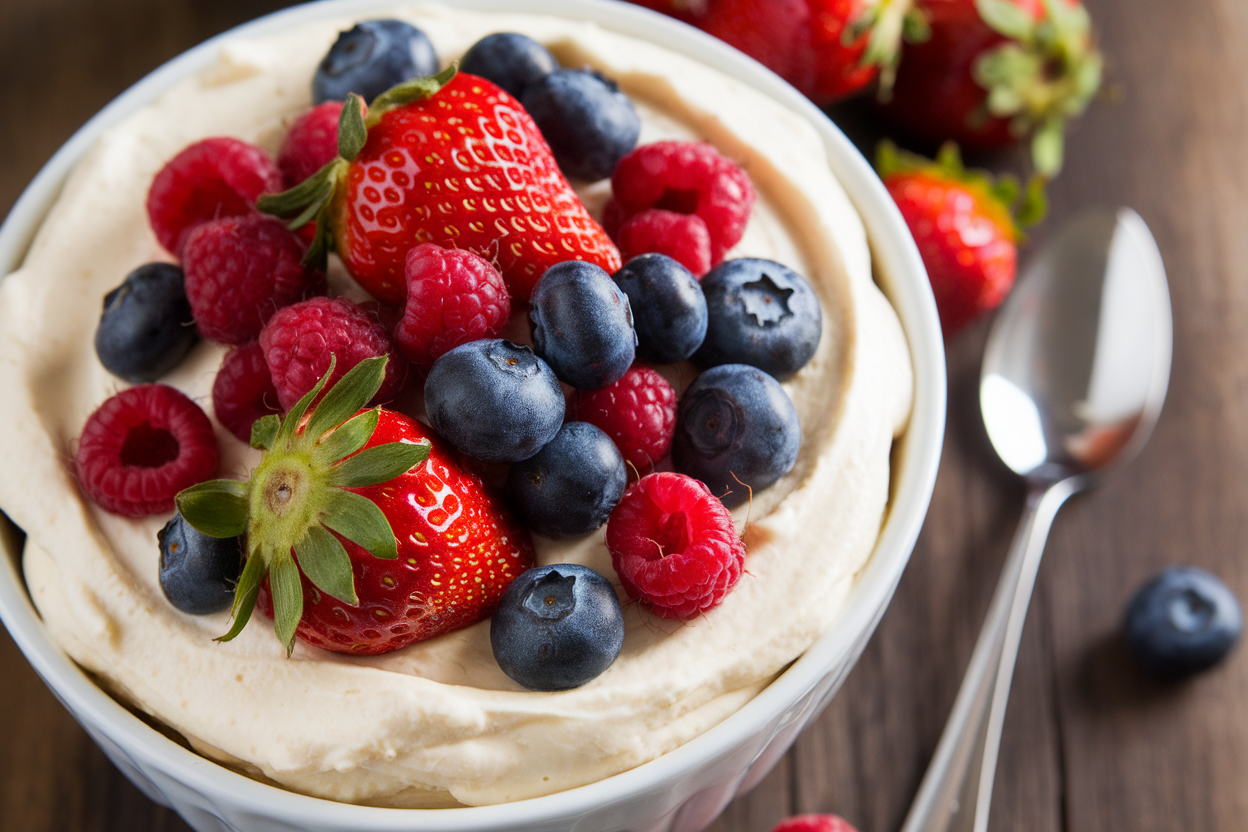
(638,412)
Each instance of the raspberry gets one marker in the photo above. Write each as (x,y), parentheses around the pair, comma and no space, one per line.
(299,340)
(673,545)
(638,412)
(208,180)
(453,297)
(682,237)
(243,390)
(311,143)
(687,178)
(143,446)
(814,823)
(239,271)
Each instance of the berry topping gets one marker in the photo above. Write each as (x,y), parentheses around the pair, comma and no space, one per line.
(208,180)
(239,271)
(638,412)
(570,486)
(243,390)
(146,327)
(1182,622)
(557,627)
(494,400)
(372,57)
(197,572)
(682,237)
(814,823)
(761,313)
(510,60)
(311,143)
(673,545)
(582,325)
(687,178)
(669,308)
(298,342)
(362,535)
(453,297)
(141,447)
(736,430)
(588,123)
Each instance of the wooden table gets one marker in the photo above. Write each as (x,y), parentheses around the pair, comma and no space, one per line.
(1090,743)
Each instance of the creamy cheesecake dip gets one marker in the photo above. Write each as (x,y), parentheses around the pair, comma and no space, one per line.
(438,724)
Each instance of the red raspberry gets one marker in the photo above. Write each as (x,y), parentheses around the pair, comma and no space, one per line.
(682,237)
(687,178)
(638,412)
(453,297)
(239,271)
(814,823)
(299,339)
(143,446)
(243,390)
(673,545)
(311,143)
(210,179)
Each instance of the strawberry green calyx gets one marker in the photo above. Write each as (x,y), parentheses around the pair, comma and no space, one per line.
(887,23)
(295,505)
(1045,73)
(313,198)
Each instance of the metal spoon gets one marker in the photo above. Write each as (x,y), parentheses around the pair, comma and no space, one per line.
(1073,379)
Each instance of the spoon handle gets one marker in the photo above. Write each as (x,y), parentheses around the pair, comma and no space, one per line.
(957,788)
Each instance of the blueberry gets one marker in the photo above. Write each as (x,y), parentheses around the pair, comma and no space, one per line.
(589,124)
(761,313)
(510,60)
(582,325)
(557,627)
(1182,621)
(146,327)
(371,58)
(571,485)
(494,400)
(197,572)
(735,427)
(669,308)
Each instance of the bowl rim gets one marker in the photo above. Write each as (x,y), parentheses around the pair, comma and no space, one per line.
(899,266)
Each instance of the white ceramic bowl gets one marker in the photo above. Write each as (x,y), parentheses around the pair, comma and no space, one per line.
(683,790)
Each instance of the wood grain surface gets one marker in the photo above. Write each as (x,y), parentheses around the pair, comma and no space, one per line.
(1090,743)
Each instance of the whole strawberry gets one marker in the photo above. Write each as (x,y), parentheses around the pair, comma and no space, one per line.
(362,535)
(450,159)
(962,223)
(992,72)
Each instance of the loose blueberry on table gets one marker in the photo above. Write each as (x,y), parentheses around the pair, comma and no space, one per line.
(1182,621)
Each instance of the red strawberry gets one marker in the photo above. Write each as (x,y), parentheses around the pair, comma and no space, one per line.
(363,535)
(814,823)
(992,72)
(452,160)
(962,224)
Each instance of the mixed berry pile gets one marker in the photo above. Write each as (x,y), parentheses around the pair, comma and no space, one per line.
(447,198)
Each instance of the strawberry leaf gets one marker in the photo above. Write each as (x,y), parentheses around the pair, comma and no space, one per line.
(348,395)
(327,565)
(217,508)
(350,436)
(1046,147)
(287,598)
(291,423)
(381,463)
(245,594)
(359,520)
(1006,18)
(352,134)
(415,89)
(290,202)
(264,431)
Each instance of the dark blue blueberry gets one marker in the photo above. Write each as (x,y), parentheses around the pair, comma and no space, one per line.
(761,313)
(557,627)
(570,486)
(146,327)
(197,572)
(582,325)
(1182,621)
(589,124)
(510,60)
(494,400)
(735,427)
(669,309)
(371,58)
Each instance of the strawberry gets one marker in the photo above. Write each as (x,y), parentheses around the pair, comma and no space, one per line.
(962,223)
(450,159)
(363,535)
(992,72)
